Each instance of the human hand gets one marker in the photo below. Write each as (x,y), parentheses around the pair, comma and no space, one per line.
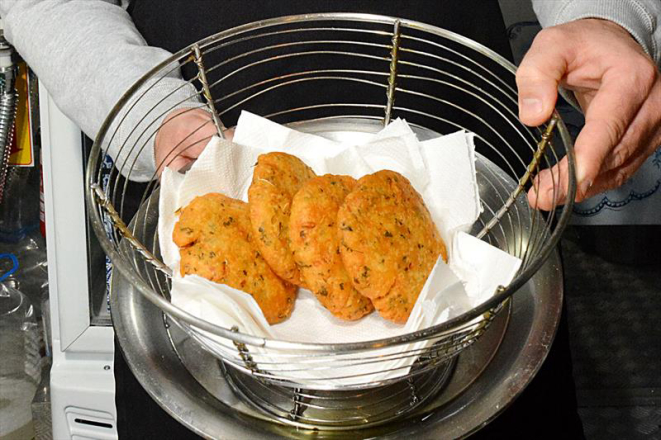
(619,89)
(182,137)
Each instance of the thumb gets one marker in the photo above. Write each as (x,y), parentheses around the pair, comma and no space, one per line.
(538,77)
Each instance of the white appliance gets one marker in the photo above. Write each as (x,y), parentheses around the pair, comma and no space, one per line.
(81,379)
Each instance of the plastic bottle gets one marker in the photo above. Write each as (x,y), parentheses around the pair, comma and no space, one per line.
(20,369)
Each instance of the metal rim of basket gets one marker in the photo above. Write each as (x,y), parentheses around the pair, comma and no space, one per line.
(98,202)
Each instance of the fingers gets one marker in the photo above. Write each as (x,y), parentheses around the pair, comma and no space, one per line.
(618,87)
(184,133)
(184,152)
(617,177)
(550,187)
(607,119)
(538,77)
(182,157)
(641,139)
(193,144)
(641,136)
(614,177)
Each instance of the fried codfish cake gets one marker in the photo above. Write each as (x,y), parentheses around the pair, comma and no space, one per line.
(315,243)
(389,243)
(277,177)
(215,241)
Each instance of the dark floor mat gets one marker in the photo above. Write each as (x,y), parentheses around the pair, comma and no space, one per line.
(614,316)
(621,423)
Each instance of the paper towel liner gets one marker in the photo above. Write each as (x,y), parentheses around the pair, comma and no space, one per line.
(442,170)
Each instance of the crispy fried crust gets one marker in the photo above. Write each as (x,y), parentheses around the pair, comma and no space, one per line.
(389,243)
(315,242)
(215,240)
(277,177)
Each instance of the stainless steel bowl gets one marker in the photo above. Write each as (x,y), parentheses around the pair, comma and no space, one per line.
(192,387)
(454,399)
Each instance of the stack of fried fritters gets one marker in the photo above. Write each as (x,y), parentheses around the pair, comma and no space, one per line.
(357,245)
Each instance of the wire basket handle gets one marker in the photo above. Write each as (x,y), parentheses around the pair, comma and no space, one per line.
(532,168)
(118,223)
(392,78)
(202,76)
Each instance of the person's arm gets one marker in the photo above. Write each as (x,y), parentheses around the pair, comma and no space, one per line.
(605,52)
(88,53)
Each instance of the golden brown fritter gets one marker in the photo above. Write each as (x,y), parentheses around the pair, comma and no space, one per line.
(215,240)
(389,243)
(277,177)
(315,244)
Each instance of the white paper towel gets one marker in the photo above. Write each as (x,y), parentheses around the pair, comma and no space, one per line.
(442,170)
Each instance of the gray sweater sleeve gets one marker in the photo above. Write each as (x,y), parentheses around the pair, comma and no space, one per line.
(639,17)
(88,53)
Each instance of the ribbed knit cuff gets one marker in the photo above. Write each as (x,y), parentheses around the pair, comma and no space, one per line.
(133,130)
(632,15)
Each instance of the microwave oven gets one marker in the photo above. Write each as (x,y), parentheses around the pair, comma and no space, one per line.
(81,380)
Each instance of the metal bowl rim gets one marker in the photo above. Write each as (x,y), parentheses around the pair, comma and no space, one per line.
(163,304)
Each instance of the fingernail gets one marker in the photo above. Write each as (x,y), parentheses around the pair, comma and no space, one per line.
(584,187)
(531,106)
(582,180)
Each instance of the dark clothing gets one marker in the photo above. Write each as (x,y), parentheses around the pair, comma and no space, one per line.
(259,73)
(175,24)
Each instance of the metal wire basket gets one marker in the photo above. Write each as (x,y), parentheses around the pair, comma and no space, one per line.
(334,73)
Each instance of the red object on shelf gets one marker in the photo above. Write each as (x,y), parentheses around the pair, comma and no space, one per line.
(42,205)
